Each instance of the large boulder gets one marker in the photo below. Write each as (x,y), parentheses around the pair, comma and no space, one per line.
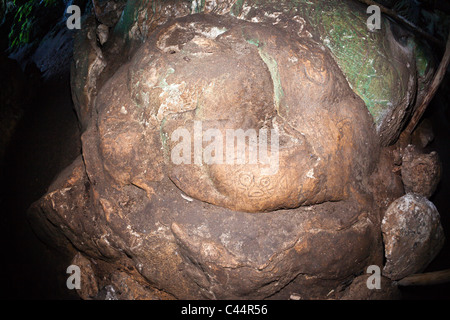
(164,196)
(421,172)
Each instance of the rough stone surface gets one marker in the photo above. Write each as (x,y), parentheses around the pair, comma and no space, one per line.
(86,67)
(423,135)
(412,236)
(421,172)
(12,100)
(102,33)
(211,230)
(391,77)
(54,52)
(387,73)
(242,69)
(196,250)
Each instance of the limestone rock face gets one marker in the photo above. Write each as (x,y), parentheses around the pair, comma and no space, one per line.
(88,282)
(2,11)
(423,135)
(159,196)
(192,249)
(86,68)
(12,100)
(412,235)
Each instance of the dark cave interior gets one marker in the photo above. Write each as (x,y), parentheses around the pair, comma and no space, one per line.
(47,139)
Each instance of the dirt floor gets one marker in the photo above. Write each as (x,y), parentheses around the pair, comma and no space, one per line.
(47,140)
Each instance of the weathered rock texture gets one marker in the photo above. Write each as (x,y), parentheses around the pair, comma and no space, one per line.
(359,290)
(412,234)
(108,11)
(211,230)
(2,10)
(421,172)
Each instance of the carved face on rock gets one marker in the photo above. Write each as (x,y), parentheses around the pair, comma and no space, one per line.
(177,187)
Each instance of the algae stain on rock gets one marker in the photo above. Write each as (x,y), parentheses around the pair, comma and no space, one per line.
(272,66)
